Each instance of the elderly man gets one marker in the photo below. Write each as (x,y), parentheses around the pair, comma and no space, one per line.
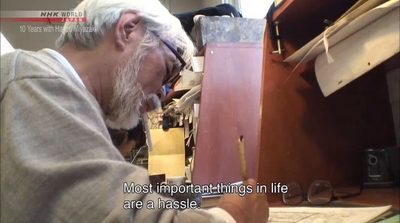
(58,163)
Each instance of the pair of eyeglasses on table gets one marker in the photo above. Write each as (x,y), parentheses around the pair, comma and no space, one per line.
(320,192)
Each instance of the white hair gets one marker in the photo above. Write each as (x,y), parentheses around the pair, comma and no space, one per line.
(102,15)
(101,18)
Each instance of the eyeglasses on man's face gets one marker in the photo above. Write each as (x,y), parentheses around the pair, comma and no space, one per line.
(319,192)
(178,54)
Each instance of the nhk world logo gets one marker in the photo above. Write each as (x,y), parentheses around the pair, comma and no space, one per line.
(43,16)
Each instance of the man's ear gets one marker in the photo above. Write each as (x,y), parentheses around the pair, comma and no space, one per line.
(128,23)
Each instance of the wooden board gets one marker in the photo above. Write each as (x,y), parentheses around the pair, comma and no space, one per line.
(229,107)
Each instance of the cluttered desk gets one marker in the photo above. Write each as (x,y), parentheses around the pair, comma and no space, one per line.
(372,205)
(324,203)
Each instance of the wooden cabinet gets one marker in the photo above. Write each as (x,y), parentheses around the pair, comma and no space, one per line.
(304,135)
(292,132)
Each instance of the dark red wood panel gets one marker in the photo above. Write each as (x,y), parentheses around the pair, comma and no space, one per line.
(229,107)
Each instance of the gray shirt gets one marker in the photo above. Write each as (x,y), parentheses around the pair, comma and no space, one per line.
(58,163)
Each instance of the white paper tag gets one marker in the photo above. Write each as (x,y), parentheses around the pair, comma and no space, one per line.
(186,128)
(198,64)
(147,132)
(329,58)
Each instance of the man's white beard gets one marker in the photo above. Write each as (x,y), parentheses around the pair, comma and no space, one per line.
(127,97)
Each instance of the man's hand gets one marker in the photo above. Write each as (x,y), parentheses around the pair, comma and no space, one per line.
(251,208)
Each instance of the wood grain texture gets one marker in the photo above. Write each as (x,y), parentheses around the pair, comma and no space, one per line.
(229,108)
